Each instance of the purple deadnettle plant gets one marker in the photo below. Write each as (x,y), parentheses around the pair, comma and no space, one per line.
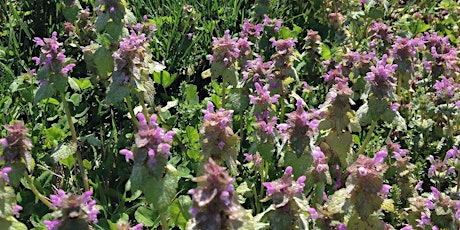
(73,211)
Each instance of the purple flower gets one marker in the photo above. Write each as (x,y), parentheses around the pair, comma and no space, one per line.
(380,156)
(128,154)
(381,78)
(446,88)
(256,158)
(152,138)
(407,227)
(286,185)
(16,210)
(221,118)
(52,56)
(4,174)
(16,144)
(313,213)
(250,29)
(263,96)
(225,50)
(68,202)
(381,31)
(385,189)
(424,220)
(52,224)
(266,124)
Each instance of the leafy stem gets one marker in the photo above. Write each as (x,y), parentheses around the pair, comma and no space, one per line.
(37,193)
(75,141)
(131,111)
(368,138)
(164,221)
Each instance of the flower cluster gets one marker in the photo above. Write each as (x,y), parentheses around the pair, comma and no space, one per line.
(151,138)
(4,174)
(16,145)
(300,127)
(446,88)
(263,98)
(215,202)
(130,56)
(250,29)
(283,190)
(217,137)
(381,79)
(436,206)
(73,210)
(266,123)
(257,69)
(366,181)
(381,31)
(227,50)
(52,58)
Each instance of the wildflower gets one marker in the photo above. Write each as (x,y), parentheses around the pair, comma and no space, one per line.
(217,137)
(215,201)
(16,210)
(445,88)
(78,210)
(250,29)
(16,144)
(381,79)
(4,174)
(266,124)
(151,139)
(256,158)
(275,23)
(225,50)
(381,31)
(285,187)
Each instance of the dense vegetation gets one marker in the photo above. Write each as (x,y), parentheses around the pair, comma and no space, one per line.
(237,114)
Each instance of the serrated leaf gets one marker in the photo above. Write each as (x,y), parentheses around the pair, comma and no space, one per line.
(325,52)
(341,144)
(7,199)
(73,83)
(18,169)
(179,211)
(337,201)
(116,93)
(145,216)
(64,151)
(160,192)
(104,62)
(388,205)
(45,90)
(138,177)
(369,223)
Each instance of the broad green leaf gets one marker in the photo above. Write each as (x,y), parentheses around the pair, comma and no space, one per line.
(104,62)
(325,52)
(160,192)
(45,90)
(145,216)
(17,172)
(76,99)
(64,151)
(7,199)
(116,93)
(138,177)
(73,83)
(340,143)
(10,223)
(179,211)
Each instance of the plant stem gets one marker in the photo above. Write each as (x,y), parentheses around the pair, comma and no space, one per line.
(144,108)
(164,221)
(223,94)
(368,138)
(131,111)
(283,108)
(37,193)
(75,141)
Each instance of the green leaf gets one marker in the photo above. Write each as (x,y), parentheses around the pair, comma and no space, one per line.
(164,78)
(10,223)
(45,90)
(366,203)
(64,154)
(299,164)
(179,211)
(73,83)
(191,94)
(160,192)
(325,51)
(138,177)
(84,84)
(340,143)
(371,222)
(116,93)
(17,172)
(145,216)
(338,201)
(7,199)
(76,99)
(104,62)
